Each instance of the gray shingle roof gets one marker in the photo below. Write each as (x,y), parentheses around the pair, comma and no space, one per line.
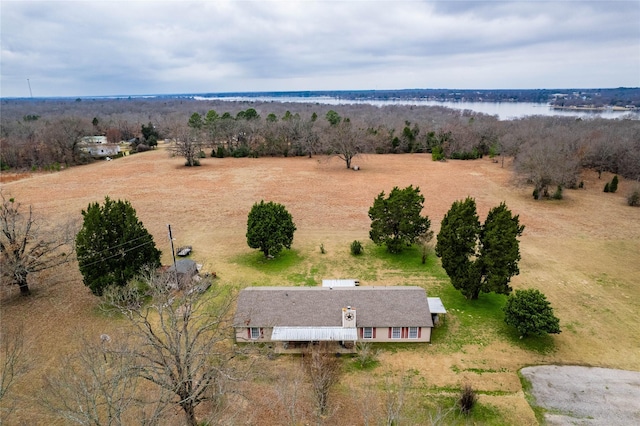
(322,307)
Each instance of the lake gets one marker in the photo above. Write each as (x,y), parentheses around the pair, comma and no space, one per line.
(504,110)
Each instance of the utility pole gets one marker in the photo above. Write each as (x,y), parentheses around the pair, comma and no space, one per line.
(30,92)
(173,253)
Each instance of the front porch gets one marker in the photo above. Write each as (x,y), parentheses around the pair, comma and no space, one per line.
(298,347)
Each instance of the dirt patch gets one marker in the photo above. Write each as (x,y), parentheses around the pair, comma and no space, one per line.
(585,395)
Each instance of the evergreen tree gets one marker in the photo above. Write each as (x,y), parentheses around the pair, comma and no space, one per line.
(479,258)
(456,246)
(195,121)
(530,313)
(499,249)
(113,245)
(149,132)
(396,220)
(613,187)
(270,228)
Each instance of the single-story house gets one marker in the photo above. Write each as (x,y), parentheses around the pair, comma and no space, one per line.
(99,140)
(295,316)
(98,147)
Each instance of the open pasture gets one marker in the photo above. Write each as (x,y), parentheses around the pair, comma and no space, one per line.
(582,252)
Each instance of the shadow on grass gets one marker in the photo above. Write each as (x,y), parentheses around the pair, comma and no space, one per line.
(409,261)
(488,306)
(355,365)
(442,408)
(279,263)
(543,344)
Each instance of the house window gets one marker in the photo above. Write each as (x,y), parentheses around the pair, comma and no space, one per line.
(368,333)
(413,332)
(396,332)
(255,333)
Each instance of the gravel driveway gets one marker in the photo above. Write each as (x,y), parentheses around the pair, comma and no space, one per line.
(573,395)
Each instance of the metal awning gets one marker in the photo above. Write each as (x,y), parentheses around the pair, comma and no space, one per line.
(436,306)
(314,334)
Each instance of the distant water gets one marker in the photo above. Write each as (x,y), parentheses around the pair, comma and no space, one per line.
(504,110)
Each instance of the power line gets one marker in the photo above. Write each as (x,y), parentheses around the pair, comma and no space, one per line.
(118,254)
(110,249)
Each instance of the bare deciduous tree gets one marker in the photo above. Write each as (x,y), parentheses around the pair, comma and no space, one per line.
(99,385)
(346,142)
(25,248)
(13,364)
(395,391)
(66,136)
(324,370)
(187,141)
(552,158)
(424,241)
(183,343)
(288,389)
(367,401)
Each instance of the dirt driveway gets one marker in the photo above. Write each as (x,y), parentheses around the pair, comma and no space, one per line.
(573,395)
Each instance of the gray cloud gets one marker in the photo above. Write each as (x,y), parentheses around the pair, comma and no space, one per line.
(143,47)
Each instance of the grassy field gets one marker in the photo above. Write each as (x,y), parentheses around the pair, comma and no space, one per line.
(583,252)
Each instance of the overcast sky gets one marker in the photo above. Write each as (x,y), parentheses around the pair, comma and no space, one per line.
(93,48)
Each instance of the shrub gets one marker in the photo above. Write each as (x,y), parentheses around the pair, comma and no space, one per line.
(558,194)
(530,313)
(467,155)
(356,248)
(219,153)
(613,186)
(437,153)
(366,355)
(634,198)
(322,249)
(606,187)
(468,399)
(201,154)
(241,151)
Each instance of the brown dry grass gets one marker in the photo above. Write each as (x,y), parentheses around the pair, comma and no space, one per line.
(583,252)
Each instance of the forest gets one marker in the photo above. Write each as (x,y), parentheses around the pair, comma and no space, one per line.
(548,152)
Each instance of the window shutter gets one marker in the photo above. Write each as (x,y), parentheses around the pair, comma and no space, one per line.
(361,333)
(389,332)
(374,332)
(261,333)
(405,332)
(249,333)
(419,332)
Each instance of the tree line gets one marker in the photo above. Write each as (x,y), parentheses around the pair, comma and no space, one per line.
(548,151)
